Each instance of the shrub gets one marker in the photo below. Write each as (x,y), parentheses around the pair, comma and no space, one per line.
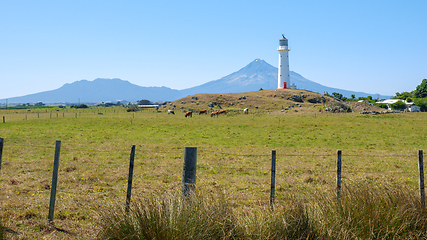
(398,105)
(381,105)
(79,106)
(422,103)
(132,109)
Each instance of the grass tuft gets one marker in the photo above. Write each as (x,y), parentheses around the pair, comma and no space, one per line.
(369,212)
(2,231)
(363,212)
(171,217)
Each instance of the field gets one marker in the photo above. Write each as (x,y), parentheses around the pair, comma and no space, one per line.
(234,159)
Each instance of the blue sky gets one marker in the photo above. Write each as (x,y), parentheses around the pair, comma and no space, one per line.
(370,46)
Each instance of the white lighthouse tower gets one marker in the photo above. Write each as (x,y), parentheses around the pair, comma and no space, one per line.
(283,76)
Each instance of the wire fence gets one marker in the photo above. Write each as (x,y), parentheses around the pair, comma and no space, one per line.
(102,171)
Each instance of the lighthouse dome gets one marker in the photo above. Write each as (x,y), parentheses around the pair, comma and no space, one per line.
(283,41)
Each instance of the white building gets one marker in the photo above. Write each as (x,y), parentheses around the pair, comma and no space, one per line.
(409,105)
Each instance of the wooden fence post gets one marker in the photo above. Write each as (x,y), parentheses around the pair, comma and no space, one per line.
(1,149)
(131,164)
(339,174)
(54,181)
(189,172)
(4,120)
(273,178)
(421,170)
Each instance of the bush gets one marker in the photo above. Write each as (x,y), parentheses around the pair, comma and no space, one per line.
(338,107)
(399,105)
(79,106)
(422,103)
(381,105)
(132,109)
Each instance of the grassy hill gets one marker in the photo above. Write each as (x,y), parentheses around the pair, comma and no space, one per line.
(271,100)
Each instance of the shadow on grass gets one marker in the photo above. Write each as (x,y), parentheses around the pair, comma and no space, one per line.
(51,227)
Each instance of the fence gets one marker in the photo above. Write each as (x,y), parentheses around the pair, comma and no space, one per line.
(233,168)
(21,115)
(18,115)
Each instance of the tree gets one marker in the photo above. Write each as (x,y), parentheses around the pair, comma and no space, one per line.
(144,102)
(353,96)
(421,90)
(79,106)
(403,95)
(39,104)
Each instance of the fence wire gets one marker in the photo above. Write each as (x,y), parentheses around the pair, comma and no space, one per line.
(253,177)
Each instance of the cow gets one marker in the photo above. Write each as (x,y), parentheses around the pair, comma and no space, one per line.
(214,113)
(222,112)
(246,111)
(171,112)
(203,111)
(189,114)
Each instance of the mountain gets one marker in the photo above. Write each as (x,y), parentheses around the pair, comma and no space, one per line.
(259,74)
(254,76)
(99,90)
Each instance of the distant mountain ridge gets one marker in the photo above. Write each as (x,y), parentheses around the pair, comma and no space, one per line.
(254,76)
(98,90)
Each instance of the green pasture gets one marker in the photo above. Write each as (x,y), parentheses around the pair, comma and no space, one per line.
(234,158)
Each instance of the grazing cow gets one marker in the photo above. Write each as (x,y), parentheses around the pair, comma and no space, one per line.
(214,113)
(171,112)
(222,112)
(246,111)
(189,114)
(203,111)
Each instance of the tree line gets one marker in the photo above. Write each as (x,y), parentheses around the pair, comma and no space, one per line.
(417,96)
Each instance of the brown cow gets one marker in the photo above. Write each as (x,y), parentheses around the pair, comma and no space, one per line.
(214,113)
(189,114)
(203,111)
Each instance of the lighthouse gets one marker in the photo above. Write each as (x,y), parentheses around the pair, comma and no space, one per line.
(283,75)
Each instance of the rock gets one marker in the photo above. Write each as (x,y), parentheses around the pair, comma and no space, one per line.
(296,98)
